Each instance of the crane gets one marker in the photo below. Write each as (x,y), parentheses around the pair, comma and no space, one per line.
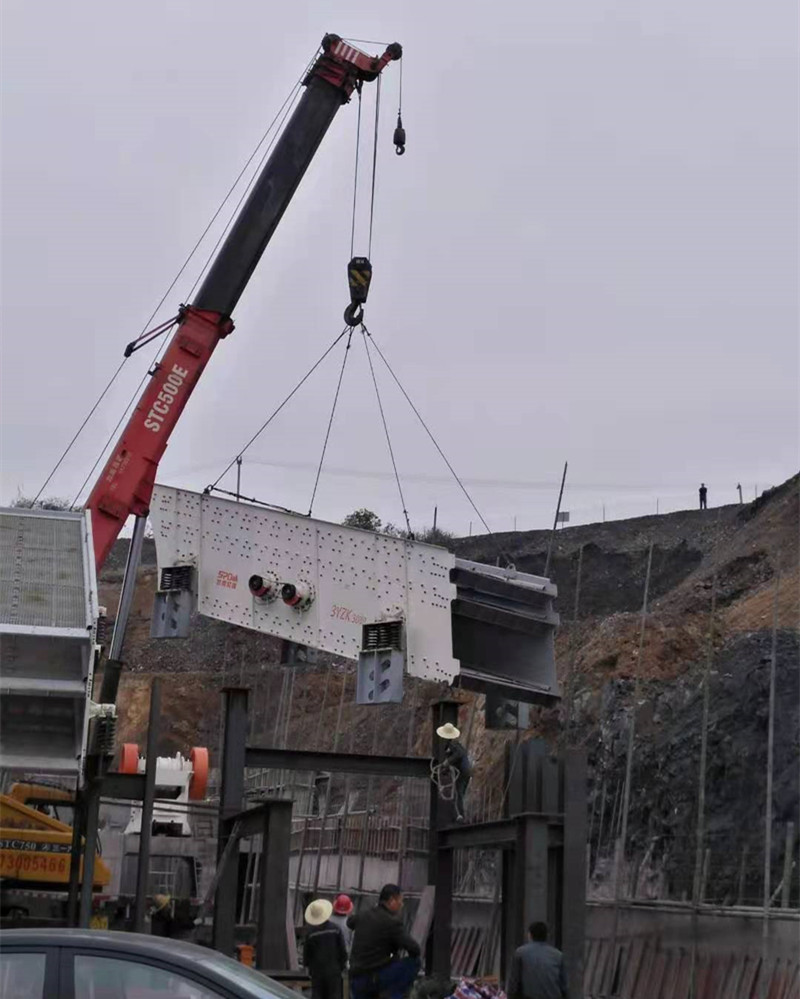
(125,486)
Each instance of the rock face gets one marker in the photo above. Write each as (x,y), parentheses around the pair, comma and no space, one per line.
(665,772)
(733,553)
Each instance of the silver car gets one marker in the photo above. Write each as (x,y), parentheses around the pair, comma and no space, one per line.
(94,964)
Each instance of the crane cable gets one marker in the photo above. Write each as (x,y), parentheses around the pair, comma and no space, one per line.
(364,335)
(374,164)
(285,110)
(330,421)
(355,177)
(277,410)
(146,328)
(368,335)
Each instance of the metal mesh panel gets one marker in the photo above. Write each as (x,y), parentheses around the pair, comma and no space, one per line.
(41,570)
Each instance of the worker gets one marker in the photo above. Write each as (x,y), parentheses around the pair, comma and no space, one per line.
(342,907)
(162,922)
(456,756)
(537,970)
(324,952)
(703,496)
(378,937)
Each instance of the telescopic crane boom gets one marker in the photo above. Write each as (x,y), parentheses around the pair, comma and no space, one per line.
(126,483)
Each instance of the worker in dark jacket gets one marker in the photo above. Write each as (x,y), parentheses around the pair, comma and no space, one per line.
(455,754)
(537,971)
(162,921)
(324,952)
(376,970)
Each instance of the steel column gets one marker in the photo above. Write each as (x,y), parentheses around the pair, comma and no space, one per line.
(75,857)
(442,914)
(146,828)
(573,891)
(232,764)
(272,950)
(441,813)
(532,872)
(92,813)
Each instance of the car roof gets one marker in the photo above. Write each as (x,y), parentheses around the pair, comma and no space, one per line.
(180,954)
(135,943)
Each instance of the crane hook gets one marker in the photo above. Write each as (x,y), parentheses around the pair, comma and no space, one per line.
(354,314)
(359,275)
(399,137)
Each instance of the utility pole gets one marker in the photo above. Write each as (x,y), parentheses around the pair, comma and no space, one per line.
(238,477)
(739,487)
(555,521)
(435,516)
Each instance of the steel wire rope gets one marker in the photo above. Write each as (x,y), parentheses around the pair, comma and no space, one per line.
(386,431)
(374,164)
(277,410)
(355,179)
(330,421)
(364,41)
(163,298)
(286,110)
(425,427)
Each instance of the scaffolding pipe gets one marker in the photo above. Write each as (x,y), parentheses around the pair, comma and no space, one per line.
(626,794)
(573,659)
(700,831)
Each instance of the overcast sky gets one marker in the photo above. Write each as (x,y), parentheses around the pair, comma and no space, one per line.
(588,253)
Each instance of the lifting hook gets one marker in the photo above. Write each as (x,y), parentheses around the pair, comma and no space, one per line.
(359,275)
(399,137)
(354,314)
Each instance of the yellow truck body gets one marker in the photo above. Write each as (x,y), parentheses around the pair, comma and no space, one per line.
(35,846)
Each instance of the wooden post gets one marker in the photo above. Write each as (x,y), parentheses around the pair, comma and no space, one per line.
(742,877)
(602,819)
(788,864)
(770,757)
(704,878)
(770,775)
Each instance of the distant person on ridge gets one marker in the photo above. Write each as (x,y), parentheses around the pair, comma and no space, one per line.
(537,970)
(378,936)
(703,494)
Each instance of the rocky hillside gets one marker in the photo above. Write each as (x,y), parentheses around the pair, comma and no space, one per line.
(733,553)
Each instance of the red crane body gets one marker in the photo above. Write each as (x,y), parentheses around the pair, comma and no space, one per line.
(125,485)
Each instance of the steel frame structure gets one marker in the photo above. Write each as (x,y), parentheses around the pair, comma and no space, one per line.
(543,844)
(542,838)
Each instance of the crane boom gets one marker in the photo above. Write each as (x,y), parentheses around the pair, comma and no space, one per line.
(126,483)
